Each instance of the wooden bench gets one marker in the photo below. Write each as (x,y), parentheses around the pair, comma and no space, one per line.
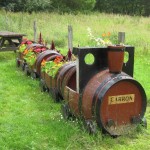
(9,41)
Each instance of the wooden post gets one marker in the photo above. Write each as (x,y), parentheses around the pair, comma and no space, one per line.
(34,28)
(70,46)
(77,74)
(70,37)
(121,37)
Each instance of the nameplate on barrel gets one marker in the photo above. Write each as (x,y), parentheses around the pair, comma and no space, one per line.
(121,99)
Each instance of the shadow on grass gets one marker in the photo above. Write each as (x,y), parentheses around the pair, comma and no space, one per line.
(6,56)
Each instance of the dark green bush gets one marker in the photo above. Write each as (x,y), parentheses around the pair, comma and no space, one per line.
(129,7)
(48,5)
(26,5)
(73,5)
(134,7)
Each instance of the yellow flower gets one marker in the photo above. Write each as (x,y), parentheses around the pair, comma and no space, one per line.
(43,62)
(25,52)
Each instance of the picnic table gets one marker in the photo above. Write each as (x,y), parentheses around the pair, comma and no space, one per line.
(9,41)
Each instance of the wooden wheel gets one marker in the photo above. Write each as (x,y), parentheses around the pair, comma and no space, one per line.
(43,86)
(90,126)
(65,111)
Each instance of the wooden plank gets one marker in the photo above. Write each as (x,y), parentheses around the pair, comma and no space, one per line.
(121,37)
(10,34)
(13,41)
(35,28)
(77,74)
(70,37)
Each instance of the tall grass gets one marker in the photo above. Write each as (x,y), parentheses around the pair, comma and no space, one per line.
(30,119)
(54,27)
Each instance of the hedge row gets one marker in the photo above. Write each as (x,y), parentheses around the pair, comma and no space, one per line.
(130,7)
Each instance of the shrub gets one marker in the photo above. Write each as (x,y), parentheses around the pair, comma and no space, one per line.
(25,5)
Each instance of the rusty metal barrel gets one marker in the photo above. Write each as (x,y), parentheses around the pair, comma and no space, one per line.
(44,55)
(66,77)
(116,101)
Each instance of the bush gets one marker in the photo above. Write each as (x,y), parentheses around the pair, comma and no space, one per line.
(134,7)
(80,5)
(26,5)
(48,5)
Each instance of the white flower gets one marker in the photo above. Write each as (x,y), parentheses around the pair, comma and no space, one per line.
(99,41)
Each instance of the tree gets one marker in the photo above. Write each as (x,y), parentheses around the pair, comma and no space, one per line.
(73,5)
(26,5)
(134,7)
(146,7)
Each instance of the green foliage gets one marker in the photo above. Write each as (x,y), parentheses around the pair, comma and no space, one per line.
(22,48)
(80,5)
(146,7)
(26,5)
(30,57)
(48,5)
(37,5)
(51,68)
(134,7)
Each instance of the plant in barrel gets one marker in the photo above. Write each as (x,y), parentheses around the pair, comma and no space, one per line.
(52,67)
(30,57)
(31,54)
(23,46)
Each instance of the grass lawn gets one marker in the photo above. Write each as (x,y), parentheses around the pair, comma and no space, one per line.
(30,119)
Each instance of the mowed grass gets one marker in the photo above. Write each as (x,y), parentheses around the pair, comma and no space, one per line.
(30,119)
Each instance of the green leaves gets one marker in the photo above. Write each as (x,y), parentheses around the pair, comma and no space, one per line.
(30,57)
(51,68)
(134,7)
(22,48)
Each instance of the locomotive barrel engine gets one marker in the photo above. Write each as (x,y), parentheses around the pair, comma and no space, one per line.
(94,90)
(114,100)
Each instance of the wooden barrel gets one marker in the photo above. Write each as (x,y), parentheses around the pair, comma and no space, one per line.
(66,76)
(44,55)
(116,101)
(33,45)
(32,69)
(69,80)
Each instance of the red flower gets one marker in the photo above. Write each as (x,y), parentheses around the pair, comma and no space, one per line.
(69,54)
(29,42)
(25,41)
(52,46)
(43,49)
(38,50)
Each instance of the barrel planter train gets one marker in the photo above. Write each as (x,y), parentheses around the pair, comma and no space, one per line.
(111,100)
